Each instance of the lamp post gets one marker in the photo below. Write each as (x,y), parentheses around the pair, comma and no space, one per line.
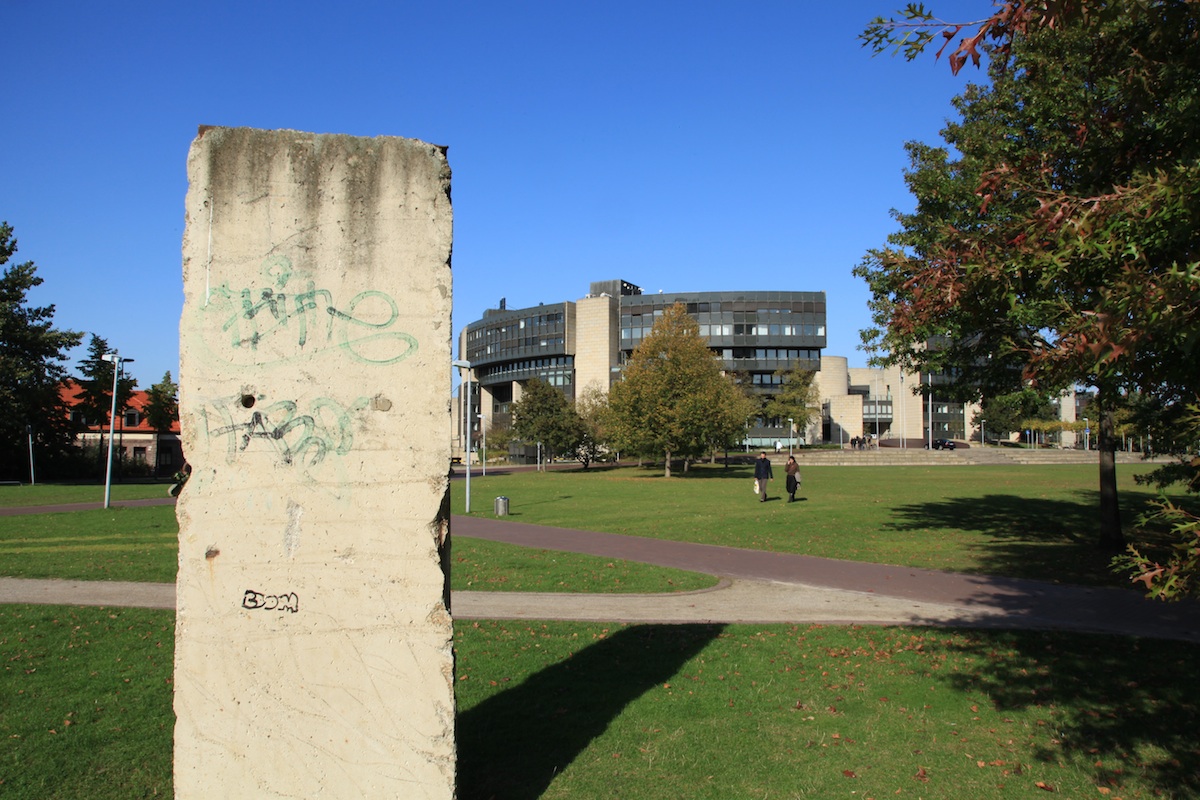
(982,432)
(876,410)
(1087,433)
(929,405)
(117,361)
(483,431)
(29,432)
(791,434)
(463,364)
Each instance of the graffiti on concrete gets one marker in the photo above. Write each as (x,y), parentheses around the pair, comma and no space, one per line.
(297,435)
(297,318)
(257,601)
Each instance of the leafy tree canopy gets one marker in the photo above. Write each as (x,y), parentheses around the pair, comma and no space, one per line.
(672,398)
(1056,234)
(32,352)
(95,387)
(1002,414)
(797,397)
(543,414)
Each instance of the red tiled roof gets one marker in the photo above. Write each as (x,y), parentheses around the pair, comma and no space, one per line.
(137,402)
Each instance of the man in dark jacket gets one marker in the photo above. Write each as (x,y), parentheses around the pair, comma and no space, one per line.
(762,474)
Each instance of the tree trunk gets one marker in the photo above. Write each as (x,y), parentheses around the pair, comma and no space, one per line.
(667,474)
(1111,537)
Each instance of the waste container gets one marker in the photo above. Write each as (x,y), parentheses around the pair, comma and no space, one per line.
(501,508)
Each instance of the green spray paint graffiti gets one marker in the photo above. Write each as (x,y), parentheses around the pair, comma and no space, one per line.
(292,311)
(297,436)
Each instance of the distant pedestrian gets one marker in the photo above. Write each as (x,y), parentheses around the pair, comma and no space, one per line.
(778,446)
(793,478)
(762,474)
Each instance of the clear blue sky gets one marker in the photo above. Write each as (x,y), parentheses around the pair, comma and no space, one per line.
(682,146)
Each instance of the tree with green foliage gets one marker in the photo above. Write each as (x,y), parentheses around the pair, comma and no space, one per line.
(672,399)
(1002,414)
(543,414)
(797,397)
(94,390)
(1059,242)
(162,409)
(591,406)
(32,354)
(94,387)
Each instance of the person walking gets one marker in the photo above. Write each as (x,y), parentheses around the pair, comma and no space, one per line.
(762,474)
(793,478)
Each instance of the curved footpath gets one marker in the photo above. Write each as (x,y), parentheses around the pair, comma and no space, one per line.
(756,587)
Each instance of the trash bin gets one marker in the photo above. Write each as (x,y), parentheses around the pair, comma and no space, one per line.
(501,508)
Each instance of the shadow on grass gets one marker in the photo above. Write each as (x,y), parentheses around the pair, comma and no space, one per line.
(1044,539)
(1128,705)
(512,745)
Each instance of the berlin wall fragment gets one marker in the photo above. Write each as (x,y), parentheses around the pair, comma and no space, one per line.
(313,632)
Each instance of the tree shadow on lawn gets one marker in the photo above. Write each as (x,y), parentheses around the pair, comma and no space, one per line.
(511,746)
(1043,539)
(1126,705)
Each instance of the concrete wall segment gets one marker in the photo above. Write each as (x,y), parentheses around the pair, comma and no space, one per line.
(314,637)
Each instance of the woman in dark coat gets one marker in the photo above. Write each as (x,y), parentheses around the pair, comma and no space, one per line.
(793,478)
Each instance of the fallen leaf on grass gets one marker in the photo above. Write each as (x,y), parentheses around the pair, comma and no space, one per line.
(849,773)
(922,775)
(1045,786)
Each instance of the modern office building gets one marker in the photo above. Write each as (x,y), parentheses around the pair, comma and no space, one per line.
(574,345)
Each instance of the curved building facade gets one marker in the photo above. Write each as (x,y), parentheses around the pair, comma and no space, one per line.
(574,345)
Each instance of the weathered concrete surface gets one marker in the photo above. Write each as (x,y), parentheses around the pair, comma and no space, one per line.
(313,651)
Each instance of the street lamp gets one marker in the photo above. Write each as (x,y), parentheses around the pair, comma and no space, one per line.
(982,433)
(117,361)
(29,433)
(876,410)
(463,364)
(1087,434)
(483,430)
(791,434)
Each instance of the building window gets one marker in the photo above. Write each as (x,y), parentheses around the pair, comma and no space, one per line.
(131,419)
(139,455)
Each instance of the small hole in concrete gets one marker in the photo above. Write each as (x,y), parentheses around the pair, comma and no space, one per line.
(247,401)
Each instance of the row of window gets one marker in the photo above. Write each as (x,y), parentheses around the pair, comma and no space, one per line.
(786,354)
(707,331)
(750,306)
(515,327)
(529,341)
(551,365)
(131,419)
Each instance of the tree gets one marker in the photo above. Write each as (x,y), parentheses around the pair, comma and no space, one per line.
(32,352)
(1060,242)
(797,397)
(672,398)
(591,406)
(162,408)
(543,414)
(1010,412)
(95,389)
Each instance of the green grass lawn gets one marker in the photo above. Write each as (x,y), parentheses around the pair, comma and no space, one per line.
(644,712)
(1017,521)
(45,494)
(141,544)
(570,710)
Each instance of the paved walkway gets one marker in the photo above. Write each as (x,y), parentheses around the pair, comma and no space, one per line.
(756,587)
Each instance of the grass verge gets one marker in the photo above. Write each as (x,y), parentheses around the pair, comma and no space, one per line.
(1014,521)
(566,710)
(52,494)
(142,544)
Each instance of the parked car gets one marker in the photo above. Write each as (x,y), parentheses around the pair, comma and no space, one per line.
(943,444)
